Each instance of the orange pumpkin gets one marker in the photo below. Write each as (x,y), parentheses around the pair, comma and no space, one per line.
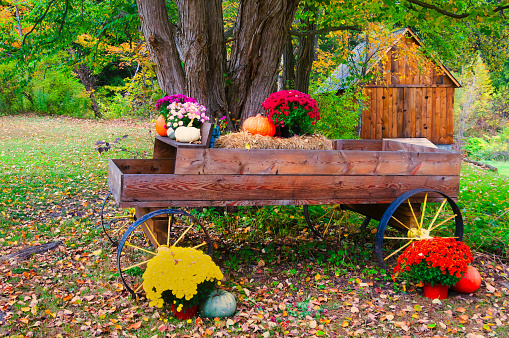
(259,125)
(470,282)
(161,128)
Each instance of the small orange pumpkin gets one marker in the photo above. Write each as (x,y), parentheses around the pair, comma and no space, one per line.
(470,282)
(161,128)
(259,125)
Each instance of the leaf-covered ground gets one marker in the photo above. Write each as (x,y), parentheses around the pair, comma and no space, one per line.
(52,182)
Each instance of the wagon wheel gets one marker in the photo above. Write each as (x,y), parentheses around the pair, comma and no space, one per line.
(418,221)
(114,221)
(323,220)
(139,244)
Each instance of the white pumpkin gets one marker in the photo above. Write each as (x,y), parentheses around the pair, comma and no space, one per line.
(187,134)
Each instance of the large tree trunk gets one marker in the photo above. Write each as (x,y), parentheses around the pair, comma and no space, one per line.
(305,56)
(161,45)
(288,65)
(259,39)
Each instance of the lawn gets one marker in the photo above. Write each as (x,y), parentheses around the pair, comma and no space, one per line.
(286,282)
(503,167)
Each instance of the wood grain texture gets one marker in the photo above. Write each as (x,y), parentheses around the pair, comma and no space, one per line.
(340,189)
(370,145)
(115,180)
(316,162)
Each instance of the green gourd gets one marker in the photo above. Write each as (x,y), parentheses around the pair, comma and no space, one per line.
(219,303)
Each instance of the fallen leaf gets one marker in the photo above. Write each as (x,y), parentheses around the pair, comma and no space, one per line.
(134,326)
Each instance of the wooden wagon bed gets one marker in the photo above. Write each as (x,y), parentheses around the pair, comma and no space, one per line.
(355,172)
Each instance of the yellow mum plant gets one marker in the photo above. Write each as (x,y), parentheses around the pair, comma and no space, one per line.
(179,276)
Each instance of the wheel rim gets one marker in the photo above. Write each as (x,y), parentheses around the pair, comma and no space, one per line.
(114,220)
(428,220)
(323,220)
(137,247)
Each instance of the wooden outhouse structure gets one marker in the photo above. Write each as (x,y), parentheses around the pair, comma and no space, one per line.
(408,100)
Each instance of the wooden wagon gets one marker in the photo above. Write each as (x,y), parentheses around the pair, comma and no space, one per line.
(388,180)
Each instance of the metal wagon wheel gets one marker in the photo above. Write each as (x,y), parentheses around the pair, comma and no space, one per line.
(139,244)
(114,220)
(323,220)
(423,220)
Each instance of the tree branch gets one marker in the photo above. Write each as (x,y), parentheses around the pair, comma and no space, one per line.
(451,14)
(325,30)
(37,22)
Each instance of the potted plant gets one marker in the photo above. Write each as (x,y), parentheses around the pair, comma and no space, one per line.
(293,112)
(438,262)
(179,112)
(180,277)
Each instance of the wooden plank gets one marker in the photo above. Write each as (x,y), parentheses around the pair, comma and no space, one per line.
(419,85)
(393,145)
(379,113)
(145,166)
(401,111)
(427,115)
(443,115)
(369,145)
(223,203)
(409,113)
(372,116)
(419,102)
(421,141)
(115,180)
(428,161)
(162,149)
(386,114)
(436,116)
(392,113)
(449,118)
(361,189)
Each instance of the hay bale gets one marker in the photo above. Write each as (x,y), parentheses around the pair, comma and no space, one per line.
(245,140)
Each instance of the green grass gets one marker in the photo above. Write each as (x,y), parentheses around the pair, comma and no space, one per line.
(503,167)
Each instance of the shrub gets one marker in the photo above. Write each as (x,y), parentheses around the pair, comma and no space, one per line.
(339,115)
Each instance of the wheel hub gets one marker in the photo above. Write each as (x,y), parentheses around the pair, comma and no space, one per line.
(419,233)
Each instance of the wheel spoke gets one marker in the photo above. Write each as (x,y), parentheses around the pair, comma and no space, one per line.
(151,234)
(183,234)
(397,220)
(444,221)
(424,209)
(137,264)
(199,245)
(436,215)
(170,223)
(116,231)
(413,213)
(138,288)
(401,248)
(141,249)
(412,238)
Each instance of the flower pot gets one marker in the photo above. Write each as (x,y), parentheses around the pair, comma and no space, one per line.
(185,313)
(437,291)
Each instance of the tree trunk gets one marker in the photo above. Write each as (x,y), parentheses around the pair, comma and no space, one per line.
(288,65)
(204,52)
(305,57)
(259,39)
(161,45)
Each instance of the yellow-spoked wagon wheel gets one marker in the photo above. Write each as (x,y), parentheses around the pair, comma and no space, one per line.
(115,221)
(415,215)
(141,242)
